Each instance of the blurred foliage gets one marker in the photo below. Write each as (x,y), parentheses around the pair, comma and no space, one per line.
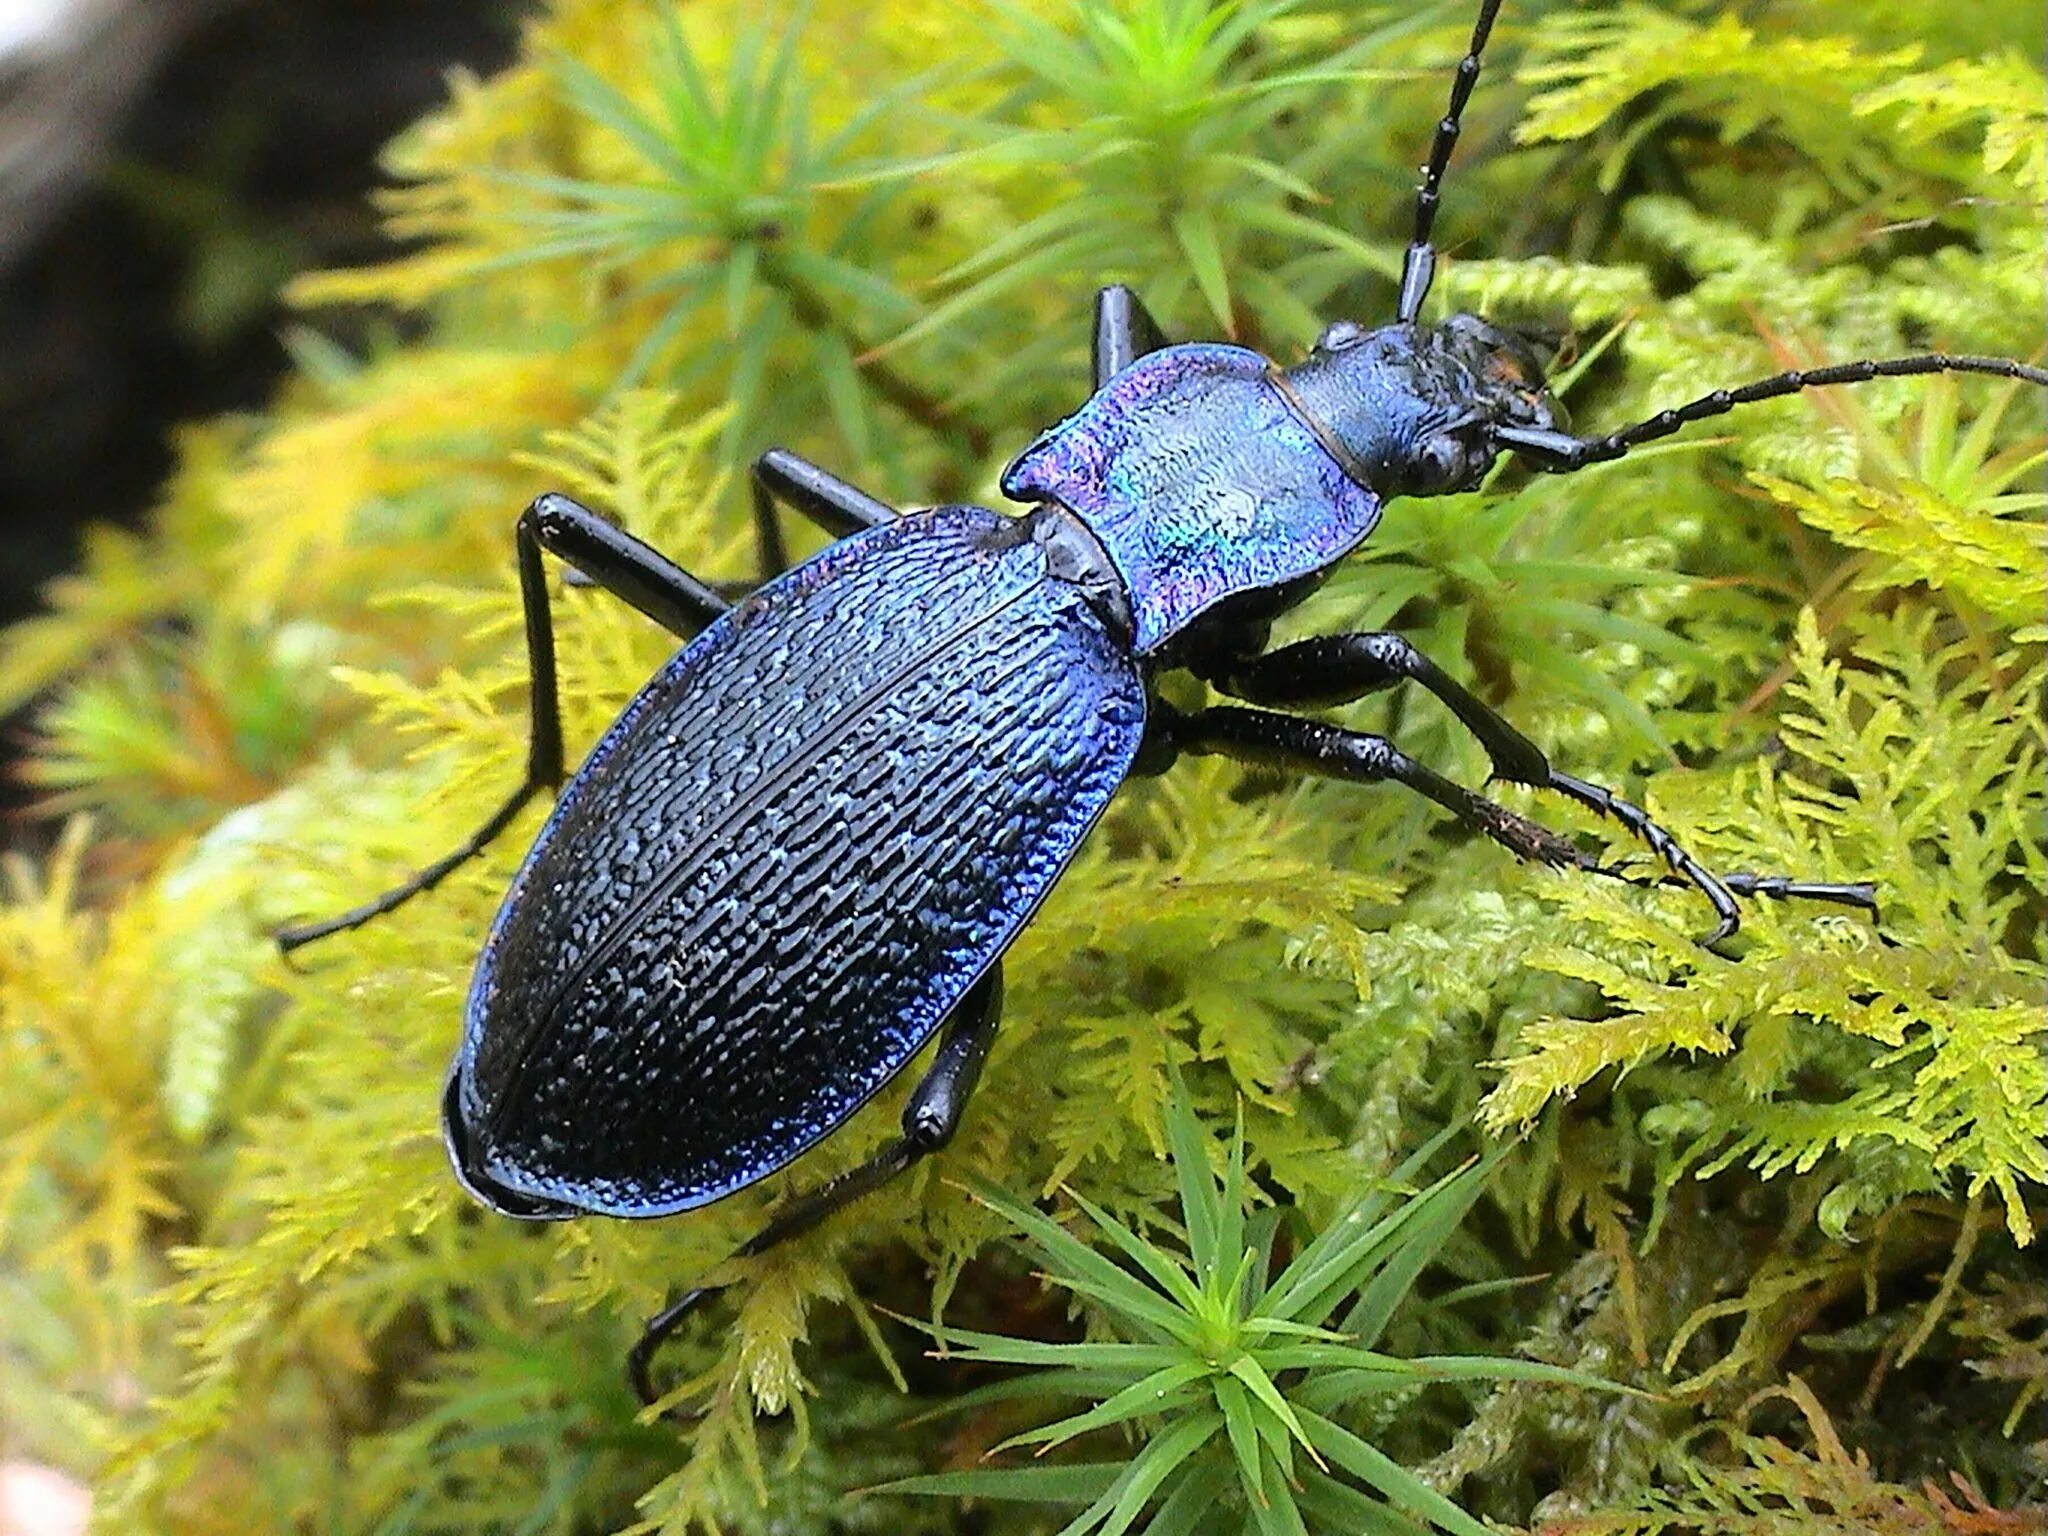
(1795,1189)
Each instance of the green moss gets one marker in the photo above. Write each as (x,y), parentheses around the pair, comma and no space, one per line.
(1794,1189)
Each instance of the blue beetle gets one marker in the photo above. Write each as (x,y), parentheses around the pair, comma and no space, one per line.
(803,848)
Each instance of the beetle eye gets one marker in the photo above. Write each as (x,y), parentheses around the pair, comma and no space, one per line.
(1339,334)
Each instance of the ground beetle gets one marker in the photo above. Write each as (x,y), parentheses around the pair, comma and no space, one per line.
(802,849)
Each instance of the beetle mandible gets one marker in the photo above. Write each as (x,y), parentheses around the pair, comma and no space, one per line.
(678,996)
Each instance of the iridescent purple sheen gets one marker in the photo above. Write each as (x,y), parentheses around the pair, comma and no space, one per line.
(1200,481)
(790,857)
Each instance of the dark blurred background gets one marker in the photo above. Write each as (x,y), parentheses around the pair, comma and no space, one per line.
(164,166)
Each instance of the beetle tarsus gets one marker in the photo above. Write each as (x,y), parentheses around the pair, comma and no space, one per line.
(1639,823)
(1861,894)
(298,935)
(641,1356)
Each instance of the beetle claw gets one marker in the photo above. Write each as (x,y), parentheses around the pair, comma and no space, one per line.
(653,1336)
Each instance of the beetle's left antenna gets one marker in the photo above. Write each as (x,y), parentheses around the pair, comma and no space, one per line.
(1418,271)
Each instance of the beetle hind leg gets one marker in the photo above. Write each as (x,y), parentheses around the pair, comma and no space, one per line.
(614,560)
(930,1120)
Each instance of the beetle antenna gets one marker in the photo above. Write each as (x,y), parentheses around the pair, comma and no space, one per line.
(1561,452)
(1418,271)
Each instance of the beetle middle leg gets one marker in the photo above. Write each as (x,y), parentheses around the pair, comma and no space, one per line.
(1334,669)
(930,1120)
(612,559)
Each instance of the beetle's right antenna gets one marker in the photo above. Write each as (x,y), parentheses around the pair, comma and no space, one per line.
(1418,271)
(1562,453)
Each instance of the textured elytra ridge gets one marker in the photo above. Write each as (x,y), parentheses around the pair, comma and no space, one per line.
(791,855)
(1200,481)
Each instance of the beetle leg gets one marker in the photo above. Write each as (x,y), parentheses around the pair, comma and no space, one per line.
(1333,669)
(1312,746)
(1847,893)
(929,1121)
(1861,894)
(1124,332)
(614,560)
(835,506)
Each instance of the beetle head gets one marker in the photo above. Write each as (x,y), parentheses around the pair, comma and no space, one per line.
(1414,408)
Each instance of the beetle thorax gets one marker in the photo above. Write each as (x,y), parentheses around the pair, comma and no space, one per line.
(1200,482)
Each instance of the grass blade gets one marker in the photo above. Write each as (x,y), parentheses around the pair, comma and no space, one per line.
(1201,1207)
(1165,1272)
(1431,1221)
(1240,1424)
(1157,1393)
(1394,1481)
(1157,1462)
(1081,1483)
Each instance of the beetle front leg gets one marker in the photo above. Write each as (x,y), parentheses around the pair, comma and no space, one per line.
(834,505)
(612,559)
(1334,669)
(930,1120)
(1124,332)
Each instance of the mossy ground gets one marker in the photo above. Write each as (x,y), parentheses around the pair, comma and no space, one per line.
(1796,1191)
